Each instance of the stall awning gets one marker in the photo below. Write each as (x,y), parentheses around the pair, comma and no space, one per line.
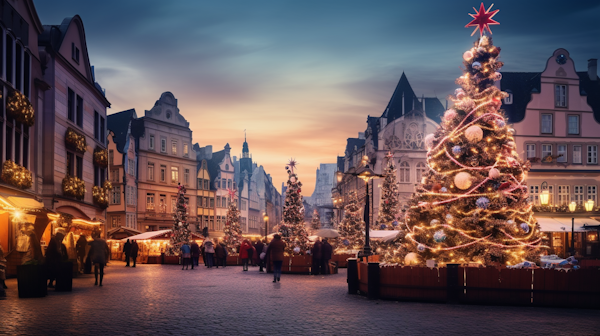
(563,224)
(160,234)
(383,235)
(23,203)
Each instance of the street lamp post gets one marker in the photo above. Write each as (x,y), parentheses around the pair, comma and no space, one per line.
(572,207)
(266,219)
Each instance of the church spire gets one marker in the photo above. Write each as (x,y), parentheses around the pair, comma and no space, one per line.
(245,150)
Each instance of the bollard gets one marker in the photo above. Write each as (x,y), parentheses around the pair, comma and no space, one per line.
(352,276)
(452,285)
(373,286)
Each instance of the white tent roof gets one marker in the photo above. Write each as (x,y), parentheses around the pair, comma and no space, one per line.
(563,224)
(155,234)
(383,235)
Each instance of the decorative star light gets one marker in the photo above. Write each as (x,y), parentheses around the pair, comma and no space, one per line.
(231,193)
(292,164)
(482,19)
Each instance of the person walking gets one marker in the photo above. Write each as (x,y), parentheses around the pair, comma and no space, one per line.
(258,247)
(134,251)
(276,248)
(127,252)
(326,252)
(219,255)
(209,252)
(2,272)
(195,249)
(244,248)
(56,252)
(225,254)
(317,255)
(99,256)
(80,247)
(264,257)
(186,256)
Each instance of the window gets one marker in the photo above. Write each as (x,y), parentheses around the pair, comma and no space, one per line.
(234,186)
(74,165)
(174,175)
(99,127)
(218,201)
(551,195)
(150,171)
(206,184)
(212,202)
(163,173)
(578,194)
(547,123)
(530,151)
(151,142)
(99,175)
(174,147)
(591,193)
(115,197)
(114,221)
(200,183)
(229,184)
(75,53)
(576,154)
(111,157)
(546,151)
(404,172)
(561,151)
(592,156)
(114,175)
(186,150)
(224,200)
(243,205)
(27,74)
(534,194)
(421,169)
(163,145)
(186,176)
(18,64)
(564,196)
(9,58)
(131,195)
(71,107)
(131,167)
(508,100)
(162,205)
(79,111)
(206,202)
(560,95)
(573,124)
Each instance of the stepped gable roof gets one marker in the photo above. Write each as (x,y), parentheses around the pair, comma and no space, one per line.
(394,107)
(118,123)
(213,166)
(352,143)
(591,88)
(521,85)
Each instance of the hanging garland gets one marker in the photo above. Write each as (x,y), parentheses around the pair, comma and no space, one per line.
(73,186)
(100,194)
(16,175)
(19,108)
(101,157)
(75,140)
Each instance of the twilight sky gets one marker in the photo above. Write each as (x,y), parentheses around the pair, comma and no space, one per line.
(302,76)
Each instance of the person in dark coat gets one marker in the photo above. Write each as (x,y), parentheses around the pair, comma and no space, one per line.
(195,253)
(258,247)
(80,247)
(317,255)
(134,251)
(127,252)
(276,248)
(326,252)
(226,254)
(99,255)
(56,252)
(219,254)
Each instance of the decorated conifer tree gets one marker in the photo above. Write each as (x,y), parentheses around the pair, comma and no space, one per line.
(181,232)
(315,223)
(232,228)
(473,203)
(390,202)
(292,229)
(352,227)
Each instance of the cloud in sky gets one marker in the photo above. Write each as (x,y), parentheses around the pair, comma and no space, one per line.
(302,76)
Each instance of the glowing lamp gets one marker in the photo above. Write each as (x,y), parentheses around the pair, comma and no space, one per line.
(339,175)
(572,206)
(589,205)
(544,196)
(265,217)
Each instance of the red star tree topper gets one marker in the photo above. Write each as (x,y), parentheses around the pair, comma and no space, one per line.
(482,19)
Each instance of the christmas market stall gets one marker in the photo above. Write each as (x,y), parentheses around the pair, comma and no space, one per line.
(115,235)
(570,235)
(152,246)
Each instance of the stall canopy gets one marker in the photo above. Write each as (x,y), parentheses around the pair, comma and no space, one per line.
(563,224)
(160,234)
(327,233)
(121,232)
(383,235)
(24,203)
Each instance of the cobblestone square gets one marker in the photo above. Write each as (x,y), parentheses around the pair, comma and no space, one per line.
(163,299)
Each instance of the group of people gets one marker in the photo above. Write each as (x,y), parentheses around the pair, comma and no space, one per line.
(321,254)
(130,249)
(213,253)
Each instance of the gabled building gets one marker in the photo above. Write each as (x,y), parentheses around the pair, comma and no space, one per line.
(321,198)
(556,118)
(205,195)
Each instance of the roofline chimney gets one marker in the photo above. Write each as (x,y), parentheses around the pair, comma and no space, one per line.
(593,69)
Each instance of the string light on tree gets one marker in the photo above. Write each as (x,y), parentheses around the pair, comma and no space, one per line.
(180,232)
(390,202)
(232,228)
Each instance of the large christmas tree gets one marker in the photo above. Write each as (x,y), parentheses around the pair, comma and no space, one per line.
(181,231)
(292,229)
(315,223)
(473,203)
(390,202)
(352,227)
(232,228)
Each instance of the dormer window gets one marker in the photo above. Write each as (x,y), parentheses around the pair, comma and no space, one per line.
(508,100)
(75,53)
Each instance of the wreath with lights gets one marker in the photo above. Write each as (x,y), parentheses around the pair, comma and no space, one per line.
(101,157)
(73,186)
(16,175)
(19,108)
(100,194)
(75,140)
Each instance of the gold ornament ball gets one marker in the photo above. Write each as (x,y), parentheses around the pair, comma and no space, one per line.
(462,180)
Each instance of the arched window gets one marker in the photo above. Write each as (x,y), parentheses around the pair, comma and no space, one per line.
(421,169)
(404,172)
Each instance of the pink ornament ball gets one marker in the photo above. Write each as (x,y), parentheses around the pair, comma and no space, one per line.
(450,114)
(429,140)
(494,173)
(468,55)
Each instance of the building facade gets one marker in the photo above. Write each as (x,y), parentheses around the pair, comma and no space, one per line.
(321,198)
(556,118)
(205,197)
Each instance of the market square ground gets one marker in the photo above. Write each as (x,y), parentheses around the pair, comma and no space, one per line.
(163,299)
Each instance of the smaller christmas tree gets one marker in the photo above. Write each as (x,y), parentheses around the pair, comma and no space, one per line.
(351,229)
(315,224)
(181,231)
(292,229)
(389,198)
(232,228)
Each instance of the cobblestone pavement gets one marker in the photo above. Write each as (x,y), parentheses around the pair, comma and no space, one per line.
(163,299)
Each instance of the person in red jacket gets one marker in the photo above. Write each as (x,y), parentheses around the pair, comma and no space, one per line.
(244,255)
(275,252)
